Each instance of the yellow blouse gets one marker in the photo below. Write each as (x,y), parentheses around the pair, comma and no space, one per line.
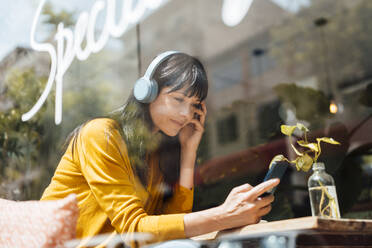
(110,196)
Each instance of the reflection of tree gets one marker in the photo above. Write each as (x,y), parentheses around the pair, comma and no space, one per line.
(348,36)
(82,102)
(20,142)
(54,18)
(308,104)
(32,148)
(26,147)
(30,151)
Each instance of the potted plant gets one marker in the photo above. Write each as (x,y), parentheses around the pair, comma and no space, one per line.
(322,190)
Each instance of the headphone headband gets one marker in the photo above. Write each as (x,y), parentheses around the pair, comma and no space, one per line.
(146,89)
(160,58)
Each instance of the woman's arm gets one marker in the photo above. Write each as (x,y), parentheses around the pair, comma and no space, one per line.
(183,191)
(187,165)
(190,137)
(243,206)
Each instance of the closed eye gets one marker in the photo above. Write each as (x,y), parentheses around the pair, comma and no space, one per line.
(178,99)
(197,106)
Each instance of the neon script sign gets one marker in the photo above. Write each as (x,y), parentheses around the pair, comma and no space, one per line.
(69,42)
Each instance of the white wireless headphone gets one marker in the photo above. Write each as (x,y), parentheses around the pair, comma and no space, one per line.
(146,88)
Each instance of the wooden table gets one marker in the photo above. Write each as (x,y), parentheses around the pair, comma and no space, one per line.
(300,232)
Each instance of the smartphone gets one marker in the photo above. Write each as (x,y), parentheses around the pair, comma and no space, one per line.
(277,170)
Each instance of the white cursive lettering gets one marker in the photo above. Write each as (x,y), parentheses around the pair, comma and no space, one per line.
(42,47)
(69,42)
(233,11)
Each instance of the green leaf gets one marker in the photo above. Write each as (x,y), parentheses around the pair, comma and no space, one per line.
(287,130)
(312,146)
(298,168)
(302,127)
(328,140)
(304,163)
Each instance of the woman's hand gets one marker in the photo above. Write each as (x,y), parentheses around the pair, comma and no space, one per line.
(191,134)
(244,206)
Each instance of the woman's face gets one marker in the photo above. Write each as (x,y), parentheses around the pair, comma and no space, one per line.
(171,111)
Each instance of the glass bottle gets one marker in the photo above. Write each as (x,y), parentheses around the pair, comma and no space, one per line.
(322,192)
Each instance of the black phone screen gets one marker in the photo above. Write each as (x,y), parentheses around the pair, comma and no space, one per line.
(277,170)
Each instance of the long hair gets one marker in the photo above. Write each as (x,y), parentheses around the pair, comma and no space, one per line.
(178,71)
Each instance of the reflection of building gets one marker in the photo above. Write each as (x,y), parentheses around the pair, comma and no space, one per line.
(196,27)
(243,80)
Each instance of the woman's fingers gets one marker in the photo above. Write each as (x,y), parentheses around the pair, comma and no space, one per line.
(202,112)
(258,202)
(264,211)
(258,219)
(262,188)
(263,205)
(243,188)
(262,202)
(199,111)
(198,125)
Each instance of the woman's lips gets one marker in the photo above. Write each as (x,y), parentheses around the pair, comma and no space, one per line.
(180,124)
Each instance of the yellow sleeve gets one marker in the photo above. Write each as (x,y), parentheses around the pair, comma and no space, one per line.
(105,165)
(180,202)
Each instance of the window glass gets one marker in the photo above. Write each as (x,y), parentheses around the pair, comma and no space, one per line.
(227,130)
(286,61)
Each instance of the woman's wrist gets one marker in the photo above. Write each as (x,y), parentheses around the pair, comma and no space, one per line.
(188,157)
(188,148)
(187,166)
(205,221)
(220,218)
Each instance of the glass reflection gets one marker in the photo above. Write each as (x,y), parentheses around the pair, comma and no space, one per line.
(285,62)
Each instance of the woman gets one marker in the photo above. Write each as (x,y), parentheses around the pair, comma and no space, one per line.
(133,172)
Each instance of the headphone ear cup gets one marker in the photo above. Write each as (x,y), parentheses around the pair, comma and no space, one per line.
(145,90)
(153,91)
